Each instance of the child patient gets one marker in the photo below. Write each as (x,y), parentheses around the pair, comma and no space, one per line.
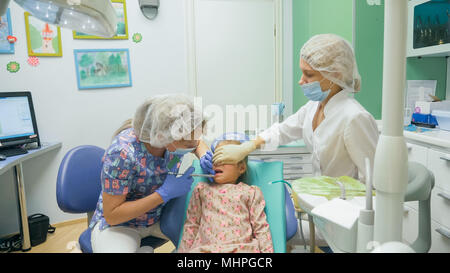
(227,215)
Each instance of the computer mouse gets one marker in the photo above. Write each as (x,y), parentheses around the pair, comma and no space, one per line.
(2,157)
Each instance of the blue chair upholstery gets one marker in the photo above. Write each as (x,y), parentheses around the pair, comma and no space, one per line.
(85,241)
(78,188)
(291,219)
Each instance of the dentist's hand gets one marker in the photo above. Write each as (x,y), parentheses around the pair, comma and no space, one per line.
(174,187)
(233,154)
(207,165)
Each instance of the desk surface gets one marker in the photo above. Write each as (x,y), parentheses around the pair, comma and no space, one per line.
(14,160)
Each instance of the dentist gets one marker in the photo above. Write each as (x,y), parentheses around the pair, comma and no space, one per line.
(336,129)
(134,179)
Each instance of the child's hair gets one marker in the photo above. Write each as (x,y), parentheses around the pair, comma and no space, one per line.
(243,177)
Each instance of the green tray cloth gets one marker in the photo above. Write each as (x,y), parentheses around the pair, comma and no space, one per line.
(327,187)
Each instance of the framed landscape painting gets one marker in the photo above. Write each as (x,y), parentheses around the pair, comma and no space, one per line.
(43,39)
(5,31)
(122,24)
(102,68)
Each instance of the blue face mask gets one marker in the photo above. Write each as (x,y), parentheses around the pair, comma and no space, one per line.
(314,92)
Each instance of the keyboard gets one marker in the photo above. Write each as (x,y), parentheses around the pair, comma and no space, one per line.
(13,152)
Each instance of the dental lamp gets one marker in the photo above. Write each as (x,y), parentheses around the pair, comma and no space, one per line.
(93,17)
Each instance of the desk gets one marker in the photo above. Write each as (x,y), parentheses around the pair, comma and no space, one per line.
(16,163)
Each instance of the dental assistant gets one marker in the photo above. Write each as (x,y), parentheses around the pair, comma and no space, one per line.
(336,129)
(134,179)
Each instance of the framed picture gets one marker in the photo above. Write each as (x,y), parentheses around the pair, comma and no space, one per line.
(43,39)
(102,68)
(5,31)
(122,24)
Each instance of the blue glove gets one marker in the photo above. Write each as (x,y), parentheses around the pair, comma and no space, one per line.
(207,165)
(174,187)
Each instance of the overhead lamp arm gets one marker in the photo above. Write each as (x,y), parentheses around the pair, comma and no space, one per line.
(93,17)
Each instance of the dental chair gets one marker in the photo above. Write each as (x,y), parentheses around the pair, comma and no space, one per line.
(78,188)
(279,209)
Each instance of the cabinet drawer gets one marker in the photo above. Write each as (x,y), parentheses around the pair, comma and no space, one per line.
(298,169)
(439,164)
(440,206)
(440,239)
(417,153)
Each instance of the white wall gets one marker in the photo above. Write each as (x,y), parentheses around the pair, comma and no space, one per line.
(76,117)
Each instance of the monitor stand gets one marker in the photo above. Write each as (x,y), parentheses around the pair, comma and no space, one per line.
(13,151)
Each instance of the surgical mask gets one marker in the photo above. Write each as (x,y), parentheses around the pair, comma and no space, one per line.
(314,92)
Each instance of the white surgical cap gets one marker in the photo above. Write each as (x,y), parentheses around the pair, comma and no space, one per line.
(334,58)
(166,118)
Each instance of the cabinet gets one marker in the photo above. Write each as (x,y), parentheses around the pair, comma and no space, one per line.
(297,160)
(438,162)
(428,28)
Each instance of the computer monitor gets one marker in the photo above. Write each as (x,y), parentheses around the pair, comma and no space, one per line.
(17,121)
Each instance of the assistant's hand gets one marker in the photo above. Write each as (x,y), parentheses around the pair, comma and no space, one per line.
(207,165)
(233,154)
(174,187)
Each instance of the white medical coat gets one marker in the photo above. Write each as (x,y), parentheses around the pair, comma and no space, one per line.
(340,144)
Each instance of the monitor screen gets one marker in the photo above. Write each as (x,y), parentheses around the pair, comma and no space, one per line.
(17,120)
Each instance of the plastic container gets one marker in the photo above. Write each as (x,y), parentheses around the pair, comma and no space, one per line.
(443,119)
(407,116)
(424,120)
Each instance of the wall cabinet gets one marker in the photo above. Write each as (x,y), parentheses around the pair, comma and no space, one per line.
(428,28)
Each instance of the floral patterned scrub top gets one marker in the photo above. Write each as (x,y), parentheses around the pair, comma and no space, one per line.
(129,169)
(226,218)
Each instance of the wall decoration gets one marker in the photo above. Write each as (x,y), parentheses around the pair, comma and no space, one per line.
(137,38)
(11,39)
(102,68)
(122,24)
(43,39)
(5,34)
(13,67)
(33,61)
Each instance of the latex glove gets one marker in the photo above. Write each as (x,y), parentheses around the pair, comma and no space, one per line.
(233,154)
(174,187)
(207,165)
